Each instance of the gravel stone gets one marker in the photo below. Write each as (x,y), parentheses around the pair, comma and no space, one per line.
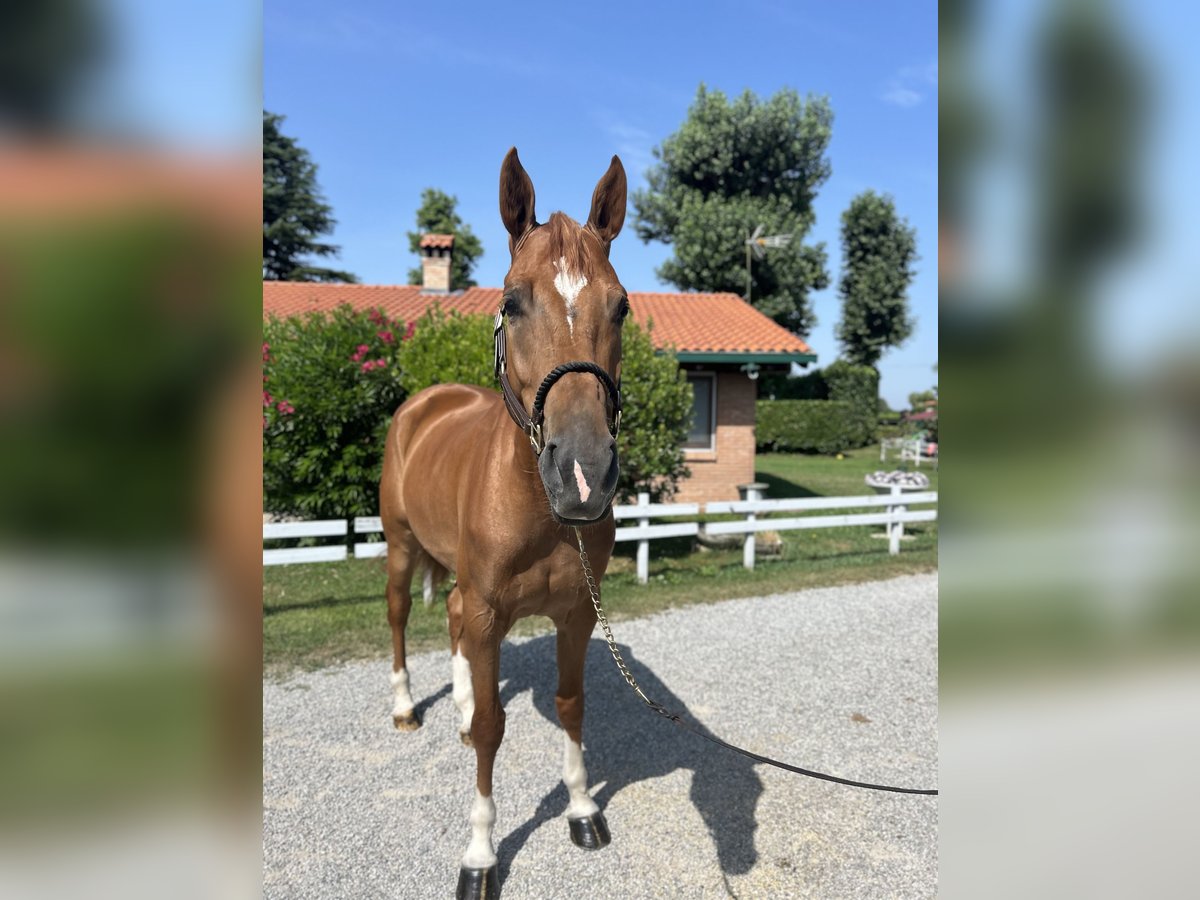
(841,680)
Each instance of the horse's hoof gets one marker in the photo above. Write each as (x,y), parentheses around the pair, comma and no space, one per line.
(465,737)
(406,723)
(590,832)
(477,884)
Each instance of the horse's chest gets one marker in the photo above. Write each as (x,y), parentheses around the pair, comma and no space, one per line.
(542,588)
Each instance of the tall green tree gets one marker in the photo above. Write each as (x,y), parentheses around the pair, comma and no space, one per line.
(49,53)
(437,215)
(732,166)
(295,214)
(878,252)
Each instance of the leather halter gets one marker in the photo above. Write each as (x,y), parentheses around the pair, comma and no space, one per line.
(531,424)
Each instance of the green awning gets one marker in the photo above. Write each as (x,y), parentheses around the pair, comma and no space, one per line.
(735,357)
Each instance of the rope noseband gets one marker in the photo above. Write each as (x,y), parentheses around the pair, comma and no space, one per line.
(531,424)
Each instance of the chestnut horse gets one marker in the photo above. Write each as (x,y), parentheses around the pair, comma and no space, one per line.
(465,490)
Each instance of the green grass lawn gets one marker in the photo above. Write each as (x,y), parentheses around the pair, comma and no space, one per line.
(320,614)
(797,475)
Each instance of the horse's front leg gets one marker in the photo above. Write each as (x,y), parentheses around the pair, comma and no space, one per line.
(587,825)
(481,636)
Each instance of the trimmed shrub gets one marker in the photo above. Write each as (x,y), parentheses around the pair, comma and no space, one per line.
(805,426)
(330,386)
(656,417)
(448,348)
(857,386)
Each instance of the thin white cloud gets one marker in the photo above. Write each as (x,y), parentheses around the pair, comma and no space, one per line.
(898,95)
(908,87)
(631,143)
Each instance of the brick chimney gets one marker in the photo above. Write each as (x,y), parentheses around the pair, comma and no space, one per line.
(436,250)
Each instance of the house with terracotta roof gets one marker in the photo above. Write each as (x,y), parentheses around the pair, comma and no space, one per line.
(720,341)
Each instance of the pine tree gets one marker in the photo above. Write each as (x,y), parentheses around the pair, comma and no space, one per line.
(294,212)
(732,166)
(437,216)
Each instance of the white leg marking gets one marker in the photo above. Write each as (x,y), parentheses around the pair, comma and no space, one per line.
(581,482)
(480,854)
(428,588)
(464,694)
(575,778)
(403,703)
(569,285)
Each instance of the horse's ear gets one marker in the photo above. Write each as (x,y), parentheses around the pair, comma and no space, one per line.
(516,196)
(608,203)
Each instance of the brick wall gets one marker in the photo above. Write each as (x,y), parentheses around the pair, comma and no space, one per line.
(717,473)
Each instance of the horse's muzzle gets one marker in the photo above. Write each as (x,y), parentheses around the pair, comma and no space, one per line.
(580,477)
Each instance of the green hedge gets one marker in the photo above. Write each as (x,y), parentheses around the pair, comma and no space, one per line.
(827,411)
(806,426)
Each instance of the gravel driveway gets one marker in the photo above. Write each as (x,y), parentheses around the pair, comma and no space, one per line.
(842,680)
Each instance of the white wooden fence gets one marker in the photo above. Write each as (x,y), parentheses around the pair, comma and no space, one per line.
(892,512)
(908,450)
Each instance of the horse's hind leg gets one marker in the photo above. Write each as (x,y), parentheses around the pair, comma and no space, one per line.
(588,828)
(402,558)
(464,693)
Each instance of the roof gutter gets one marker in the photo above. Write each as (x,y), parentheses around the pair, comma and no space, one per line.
(782,359)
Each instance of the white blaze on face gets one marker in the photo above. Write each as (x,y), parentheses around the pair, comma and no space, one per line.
(581,483)
(480,854)
(569,285)
(575,778)
(464,694)
(403,703)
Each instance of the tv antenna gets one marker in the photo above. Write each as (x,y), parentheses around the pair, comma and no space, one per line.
(757,245)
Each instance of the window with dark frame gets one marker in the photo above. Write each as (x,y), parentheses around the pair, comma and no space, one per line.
(701,435)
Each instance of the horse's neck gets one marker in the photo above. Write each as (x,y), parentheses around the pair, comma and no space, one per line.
(515,472)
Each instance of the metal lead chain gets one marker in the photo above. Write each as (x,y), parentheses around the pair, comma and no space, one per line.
(594,590)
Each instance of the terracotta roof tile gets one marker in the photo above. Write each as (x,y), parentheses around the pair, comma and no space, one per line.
(692,323)
(437,241)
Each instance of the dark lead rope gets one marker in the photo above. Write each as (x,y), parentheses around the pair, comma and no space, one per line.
(683,723)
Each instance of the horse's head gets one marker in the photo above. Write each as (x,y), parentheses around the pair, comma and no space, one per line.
(563,303)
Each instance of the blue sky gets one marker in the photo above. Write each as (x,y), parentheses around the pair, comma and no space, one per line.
(390,98)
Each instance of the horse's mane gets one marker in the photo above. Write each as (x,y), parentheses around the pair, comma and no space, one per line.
(566,241)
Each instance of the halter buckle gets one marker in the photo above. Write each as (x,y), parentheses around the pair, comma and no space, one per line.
(535,438)
(498,342)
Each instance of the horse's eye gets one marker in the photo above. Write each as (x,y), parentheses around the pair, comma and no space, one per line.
(512,309)
(623,310)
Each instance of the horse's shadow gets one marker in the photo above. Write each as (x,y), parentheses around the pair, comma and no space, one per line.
(625,742)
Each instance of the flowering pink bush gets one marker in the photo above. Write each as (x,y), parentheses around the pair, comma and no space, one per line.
(330,387)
